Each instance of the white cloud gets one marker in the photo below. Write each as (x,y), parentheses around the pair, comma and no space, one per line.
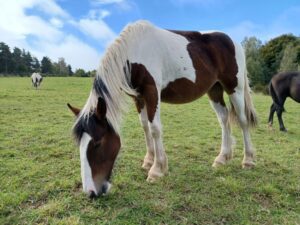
(243,29)
(77,53)
(48,37)
(93,26)
(18,25)
(283,24)
(97,29)
(56,22)
(50,7)
(124,5)
(101,14)
(106,2)
(193,2)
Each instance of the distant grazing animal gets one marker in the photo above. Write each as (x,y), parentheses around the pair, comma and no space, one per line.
(153,65)
(36,79)
(283,85)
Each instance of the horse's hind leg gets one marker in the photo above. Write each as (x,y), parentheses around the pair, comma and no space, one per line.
(218,103)
(279,111)
(272,111)
(238,101)
(149,157)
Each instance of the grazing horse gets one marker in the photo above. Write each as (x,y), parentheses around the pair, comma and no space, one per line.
(36,80)
(153,65)
(283,85)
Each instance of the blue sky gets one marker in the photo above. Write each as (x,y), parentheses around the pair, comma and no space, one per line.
(80,30)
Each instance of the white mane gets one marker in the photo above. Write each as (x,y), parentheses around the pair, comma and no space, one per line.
(111,72)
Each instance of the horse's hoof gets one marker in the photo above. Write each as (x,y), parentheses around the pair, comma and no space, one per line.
(146,166)
(217,164)
(283,129)
(248,165)
(270,126)
(221,160)
(152,178)
(154,174)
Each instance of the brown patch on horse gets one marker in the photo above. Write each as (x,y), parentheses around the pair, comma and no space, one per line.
(100,159)
(213,57)
(216,94)
(144,83)
(139,103)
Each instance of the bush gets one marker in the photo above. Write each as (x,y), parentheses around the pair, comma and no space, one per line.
(260,88)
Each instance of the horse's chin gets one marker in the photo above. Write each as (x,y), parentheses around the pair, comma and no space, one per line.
(104,190)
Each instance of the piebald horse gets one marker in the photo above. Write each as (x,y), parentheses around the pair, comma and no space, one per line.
(153,65)
(283,85)
(36,80)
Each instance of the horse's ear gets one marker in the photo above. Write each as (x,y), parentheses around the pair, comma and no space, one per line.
(76,111)
(101,108)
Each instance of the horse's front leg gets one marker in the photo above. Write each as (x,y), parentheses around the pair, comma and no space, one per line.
(160,164)
(149,157)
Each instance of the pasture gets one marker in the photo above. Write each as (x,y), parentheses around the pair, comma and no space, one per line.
(40,179)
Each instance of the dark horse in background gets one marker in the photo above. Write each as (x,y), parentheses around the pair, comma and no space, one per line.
(283,85)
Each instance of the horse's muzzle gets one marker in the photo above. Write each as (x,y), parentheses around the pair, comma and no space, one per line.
(103,191)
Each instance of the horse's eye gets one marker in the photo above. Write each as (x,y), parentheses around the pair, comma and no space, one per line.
(97,144)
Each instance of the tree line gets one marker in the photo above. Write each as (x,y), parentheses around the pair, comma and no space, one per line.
(23,63)
(263,60)
(281,54)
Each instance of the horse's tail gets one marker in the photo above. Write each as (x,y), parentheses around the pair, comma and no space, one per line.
(275,98)
(249,108)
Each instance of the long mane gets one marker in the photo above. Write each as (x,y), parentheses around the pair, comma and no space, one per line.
(112,81)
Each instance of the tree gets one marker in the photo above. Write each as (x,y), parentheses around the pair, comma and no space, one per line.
(28,61)
(255,66)
(289,59)
(36,66)
(6,64)
(17,61)
(70,72)
(80,73)
(55,69)
(62,66)
(272,53)
(46,65)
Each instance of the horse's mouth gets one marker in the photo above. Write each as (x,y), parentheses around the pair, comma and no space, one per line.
(104,190)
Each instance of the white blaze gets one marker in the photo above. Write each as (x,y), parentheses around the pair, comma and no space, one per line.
(86,171)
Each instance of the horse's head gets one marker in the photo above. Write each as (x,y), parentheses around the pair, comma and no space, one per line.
(99,146)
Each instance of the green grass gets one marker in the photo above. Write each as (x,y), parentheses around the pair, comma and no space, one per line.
(40,169)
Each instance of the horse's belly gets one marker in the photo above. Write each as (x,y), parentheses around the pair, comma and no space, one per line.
(182,91)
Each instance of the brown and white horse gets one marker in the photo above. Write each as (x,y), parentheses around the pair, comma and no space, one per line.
(153,65)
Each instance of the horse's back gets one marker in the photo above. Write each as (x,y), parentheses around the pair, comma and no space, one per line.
(169,55)
(287,84)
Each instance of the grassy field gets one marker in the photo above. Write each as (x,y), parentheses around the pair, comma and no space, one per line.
(40,169)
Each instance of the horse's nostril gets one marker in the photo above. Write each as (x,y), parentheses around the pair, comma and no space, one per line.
(92,194)
(104,189)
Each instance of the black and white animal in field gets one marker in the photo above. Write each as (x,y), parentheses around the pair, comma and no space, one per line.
(36,80)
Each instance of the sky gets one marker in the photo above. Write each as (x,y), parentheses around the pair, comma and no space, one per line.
(81,30)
